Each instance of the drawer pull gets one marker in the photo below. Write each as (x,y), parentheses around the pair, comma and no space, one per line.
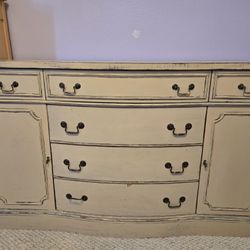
(171,127)
(10,91)
(241,86)
(168,165)
(181,200)
(83,198)
(75,87)
(176,87)
(79,126)
(81,165)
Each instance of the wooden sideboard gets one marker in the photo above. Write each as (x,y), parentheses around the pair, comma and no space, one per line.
(125,149)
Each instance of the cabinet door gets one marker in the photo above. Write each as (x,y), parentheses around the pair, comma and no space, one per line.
(25,168)
(225,173)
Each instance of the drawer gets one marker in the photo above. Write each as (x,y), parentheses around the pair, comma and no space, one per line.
(96,125)
(23,84)
(126,164)
(75,85)
(234,86)
(126,200)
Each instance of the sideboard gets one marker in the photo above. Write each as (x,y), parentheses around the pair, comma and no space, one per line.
(125,149)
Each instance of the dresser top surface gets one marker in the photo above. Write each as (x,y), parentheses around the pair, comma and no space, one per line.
(126,65)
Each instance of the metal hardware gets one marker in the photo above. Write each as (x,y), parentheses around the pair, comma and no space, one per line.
(168,165)
(75,87)
(83,198)
(205,163)
(176,87)
(242,87)
(81,165)
(181,200)
(171,127)
(10,91)
(79,126)
(47,159)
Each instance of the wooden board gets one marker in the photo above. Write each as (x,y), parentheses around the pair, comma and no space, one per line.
(5,47)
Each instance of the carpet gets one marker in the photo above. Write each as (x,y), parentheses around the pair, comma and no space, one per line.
(52,240)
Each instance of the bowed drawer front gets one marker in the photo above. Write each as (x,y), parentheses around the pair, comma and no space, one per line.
(126,200)
(84,125)
(127,86)
(126,164)
(16,84)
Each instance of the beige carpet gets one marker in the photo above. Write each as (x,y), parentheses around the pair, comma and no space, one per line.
(27,240)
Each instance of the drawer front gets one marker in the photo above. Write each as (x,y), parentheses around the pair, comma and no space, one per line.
(127,86)
(126,164)
(126,125)
(126,200)
(231,85)
(20,84)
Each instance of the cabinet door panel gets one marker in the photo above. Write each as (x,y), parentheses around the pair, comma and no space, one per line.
(225,176)
(26,177)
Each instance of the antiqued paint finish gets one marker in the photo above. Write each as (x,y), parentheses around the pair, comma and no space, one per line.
(113,161)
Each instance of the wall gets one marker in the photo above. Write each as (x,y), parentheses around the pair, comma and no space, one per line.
(142,30)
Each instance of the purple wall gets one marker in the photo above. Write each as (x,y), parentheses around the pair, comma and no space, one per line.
(142,30)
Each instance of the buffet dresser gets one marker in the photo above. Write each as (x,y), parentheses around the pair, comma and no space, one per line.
(125,149)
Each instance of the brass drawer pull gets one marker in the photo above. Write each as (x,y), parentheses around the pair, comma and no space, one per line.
(176,87)
(79,126)
(12,90)
(181,200)
(168,165)
(242,87)
(81,165)
(171,127)
(83,198)
(75,87)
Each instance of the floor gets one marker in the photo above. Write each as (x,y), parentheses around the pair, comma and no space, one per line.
(36,239)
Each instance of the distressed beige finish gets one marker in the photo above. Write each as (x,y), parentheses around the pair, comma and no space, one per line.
(231,86)
(29,84)
(126,200)
(126,125)
(127,153)
(127,86)
(26,174)
(224,183)
(115,164)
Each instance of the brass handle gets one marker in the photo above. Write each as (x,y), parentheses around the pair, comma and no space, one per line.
(181,200)
(176,87)
(168,165)
(14,85)
(75,87)
(79,126)
(171,127)
(70,197)
(81,165)
(242,87)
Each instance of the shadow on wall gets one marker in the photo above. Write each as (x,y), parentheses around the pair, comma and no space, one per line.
(39,28)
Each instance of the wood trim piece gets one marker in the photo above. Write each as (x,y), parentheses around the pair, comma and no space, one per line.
(180,226)
(5,46)
(167,66)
